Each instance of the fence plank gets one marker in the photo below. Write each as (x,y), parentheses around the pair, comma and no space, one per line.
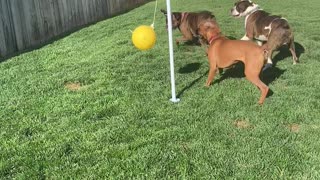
(28,23)
(7,35)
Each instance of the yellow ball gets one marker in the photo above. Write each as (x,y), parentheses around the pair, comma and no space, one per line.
(144,37)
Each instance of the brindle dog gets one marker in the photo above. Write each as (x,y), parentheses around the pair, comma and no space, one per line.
(188,23)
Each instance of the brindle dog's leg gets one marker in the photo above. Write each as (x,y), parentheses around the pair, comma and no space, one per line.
(293,51)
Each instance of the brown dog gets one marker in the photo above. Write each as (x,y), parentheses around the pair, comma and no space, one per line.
(223,53)
(187,23)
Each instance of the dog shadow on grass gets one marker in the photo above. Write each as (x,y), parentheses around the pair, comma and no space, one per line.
(267,76)
(271,74)
(284,52)
(194,42)
(237,71)
(189,68)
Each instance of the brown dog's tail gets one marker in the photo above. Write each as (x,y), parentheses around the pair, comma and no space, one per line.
(265,51)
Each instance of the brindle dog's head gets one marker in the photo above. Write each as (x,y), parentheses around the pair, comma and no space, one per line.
(176,18)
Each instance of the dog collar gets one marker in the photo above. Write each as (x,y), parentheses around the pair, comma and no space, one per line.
(213,38)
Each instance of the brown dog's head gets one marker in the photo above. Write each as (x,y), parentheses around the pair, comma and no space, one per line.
(176,18)
(208,30)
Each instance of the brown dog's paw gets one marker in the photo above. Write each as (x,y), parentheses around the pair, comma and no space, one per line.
(296,61)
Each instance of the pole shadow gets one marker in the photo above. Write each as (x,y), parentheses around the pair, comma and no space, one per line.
(191,84)
(189,68)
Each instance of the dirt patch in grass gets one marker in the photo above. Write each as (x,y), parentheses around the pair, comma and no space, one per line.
(73,86)
(294,127)
(242,124)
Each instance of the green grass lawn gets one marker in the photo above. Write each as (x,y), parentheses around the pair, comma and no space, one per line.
(91,106)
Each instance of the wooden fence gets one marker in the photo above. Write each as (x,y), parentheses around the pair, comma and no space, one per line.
(29,23)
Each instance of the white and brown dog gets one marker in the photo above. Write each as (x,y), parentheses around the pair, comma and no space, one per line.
(260,25)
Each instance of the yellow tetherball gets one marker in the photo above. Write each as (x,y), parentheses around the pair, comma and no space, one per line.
(144,37)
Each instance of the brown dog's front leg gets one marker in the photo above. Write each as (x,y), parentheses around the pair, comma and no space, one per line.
(212,69)
(177,42)
(211,75)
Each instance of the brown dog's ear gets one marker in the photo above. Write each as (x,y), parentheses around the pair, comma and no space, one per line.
(208,24)
(212,24)
(163,11)
(201,25)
